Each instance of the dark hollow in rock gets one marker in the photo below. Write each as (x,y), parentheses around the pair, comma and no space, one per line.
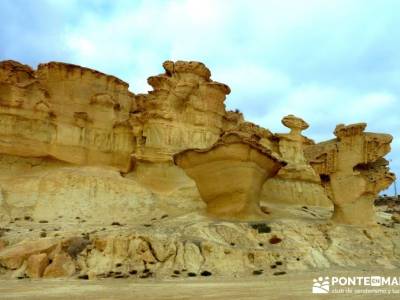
(265,210)
(273,266)
(298,258)
(43,234)
(261,227)
(146,225)
(118,265)
(177,272)
(280,273)
(275,240)
(146,271)
(191,274)
(205,273)
(86,277)
(260,244)
(116,224)
(257,272)
(233,244)
(164,216)
(133,272)
(278,263)
(121,276)
(118,273)
(43,221)
(174,275)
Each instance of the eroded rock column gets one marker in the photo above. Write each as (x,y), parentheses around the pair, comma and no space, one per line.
(353,171)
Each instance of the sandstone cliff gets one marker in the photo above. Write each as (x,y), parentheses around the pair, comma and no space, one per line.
(88,184)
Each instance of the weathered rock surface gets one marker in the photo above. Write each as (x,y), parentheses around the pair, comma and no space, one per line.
(185,110)
(89,188)
(230,174)
(67,112)
(193,244)
(36,264)
(353,171)
(297,182)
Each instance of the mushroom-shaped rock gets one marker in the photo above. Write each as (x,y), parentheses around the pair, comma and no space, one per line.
(353,171)
(230,174)
(296,183)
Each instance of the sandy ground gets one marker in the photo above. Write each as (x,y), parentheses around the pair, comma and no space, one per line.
(297,286)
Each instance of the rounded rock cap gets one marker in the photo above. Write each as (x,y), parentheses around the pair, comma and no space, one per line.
(291,121)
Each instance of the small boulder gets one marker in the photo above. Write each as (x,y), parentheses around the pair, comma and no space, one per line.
(62,266)
(36,264)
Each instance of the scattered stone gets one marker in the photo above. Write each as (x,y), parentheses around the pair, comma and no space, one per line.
(205,273)
(261,227)
(257,272)
(191,274)
(43,221)
(280,273)
(275,240)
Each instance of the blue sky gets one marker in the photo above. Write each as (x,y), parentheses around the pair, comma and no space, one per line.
(328,61)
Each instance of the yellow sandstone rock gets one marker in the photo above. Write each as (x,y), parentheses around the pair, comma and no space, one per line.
(61,266)
(297,182)
(353,171)
(36,264)
(230,174)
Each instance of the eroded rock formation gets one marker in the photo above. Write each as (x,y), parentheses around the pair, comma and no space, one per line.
(353,171)
(88,185)
(73,114)
(297,182)
(185,110)
(231,173)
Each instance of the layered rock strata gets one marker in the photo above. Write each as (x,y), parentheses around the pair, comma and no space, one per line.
(353,171)
(296,183)
(67,112)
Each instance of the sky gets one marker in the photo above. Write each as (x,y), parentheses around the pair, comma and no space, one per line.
(327,61)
